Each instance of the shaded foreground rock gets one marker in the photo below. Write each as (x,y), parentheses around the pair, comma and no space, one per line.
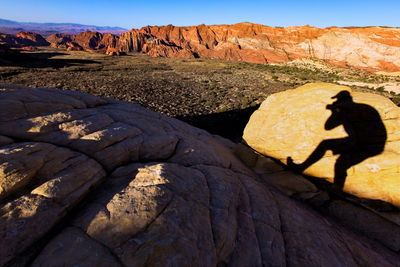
(167,193)
(377,220)
(300,124)
(39,182)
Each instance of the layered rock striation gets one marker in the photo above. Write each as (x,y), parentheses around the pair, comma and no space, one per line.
(94,181)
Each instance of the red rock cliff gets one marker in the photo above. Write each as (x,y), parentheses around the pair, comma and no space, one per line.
(369,48)
(373,48)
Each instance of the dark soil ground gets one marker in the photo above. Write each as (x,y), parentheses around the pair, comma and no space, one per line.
(216,95)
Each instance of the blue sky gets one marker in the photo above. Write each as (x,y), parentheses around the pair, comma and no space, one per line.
(134,14)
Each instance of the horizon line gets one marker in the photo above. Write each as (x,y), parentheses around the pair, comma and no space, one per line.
(243,22)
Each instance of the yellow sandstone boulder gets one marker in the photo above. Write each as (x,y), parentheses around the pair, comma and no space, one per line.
(319,125)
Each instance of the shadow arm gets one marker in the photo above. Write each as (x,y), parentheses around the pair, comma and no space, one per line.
(334,120)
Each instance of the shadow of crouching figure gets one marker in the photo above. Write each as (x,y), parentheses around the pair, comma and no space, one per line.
(366,137)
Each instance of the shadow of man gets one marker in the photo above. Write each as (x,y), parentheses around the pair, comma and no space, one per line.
(366,137)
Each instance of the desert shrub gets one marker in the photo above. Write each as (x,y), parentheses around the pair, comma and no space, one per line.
(247,101)
(396,100)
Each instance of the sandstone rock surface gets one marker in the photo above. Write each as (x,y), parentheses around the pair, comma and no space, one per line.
(150,191)
(294,123)
(377,220)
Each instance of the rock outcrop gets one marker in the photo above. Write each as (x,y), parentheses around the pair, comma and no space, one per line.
(94,181)
(23,39)
(32,39)
(61,40)
(89,41)
(141,41)
(357,134)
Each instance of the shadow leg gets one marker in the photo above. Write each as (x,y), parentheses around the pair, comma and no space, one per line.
(341,166)
(317,154)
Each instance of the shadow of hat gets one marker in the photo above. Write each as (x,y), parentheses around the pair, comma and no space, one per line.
(343,95)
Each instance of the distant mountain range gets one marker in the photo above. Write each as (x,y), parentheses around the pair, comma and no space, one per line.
(45,29)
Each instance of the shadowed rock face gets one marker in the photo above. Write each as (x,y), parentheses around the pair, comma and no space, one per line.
(151,191)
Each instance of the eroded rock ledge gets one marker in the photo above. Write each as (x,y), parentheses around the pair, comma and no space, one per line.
(151,191)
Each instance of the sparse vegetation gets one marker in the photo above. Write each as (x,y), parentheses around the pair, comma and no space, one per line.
(176,87)
(380,89)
